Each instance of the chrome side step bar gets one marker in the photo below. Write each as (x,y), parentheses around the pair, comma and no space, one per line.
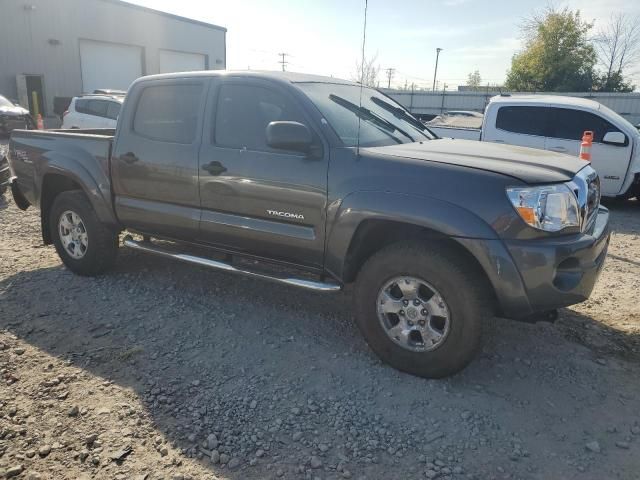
(148,247)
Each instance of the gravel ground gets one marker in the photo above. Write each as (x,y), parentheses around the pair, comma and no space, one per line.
(160,370)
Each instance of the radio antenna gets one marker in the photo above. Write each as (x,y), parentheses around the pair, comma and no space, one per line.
(364,42)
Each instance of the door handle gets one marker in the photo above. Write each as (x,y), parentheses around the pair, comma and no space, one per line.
(129,157)
(214,168)
(558,149)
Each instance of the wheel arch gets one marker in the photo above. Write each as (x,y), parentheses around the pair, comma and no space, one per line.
(57,180)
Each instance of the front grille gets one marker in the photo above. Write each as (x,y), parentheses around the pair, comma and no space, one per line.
(586,186)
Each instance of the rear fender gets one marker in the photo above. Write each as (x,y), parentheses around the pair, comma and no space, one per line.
(87,174)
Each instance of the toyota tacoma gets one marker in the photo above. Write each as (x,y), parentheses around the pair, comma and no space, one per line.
(319,183)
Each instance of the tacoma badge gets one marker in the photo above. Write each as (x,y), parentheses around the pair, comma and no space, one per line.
(276,213)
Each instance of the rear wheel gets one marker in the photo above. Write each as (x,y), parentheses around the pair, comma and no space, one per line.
(84,244)
(421,309)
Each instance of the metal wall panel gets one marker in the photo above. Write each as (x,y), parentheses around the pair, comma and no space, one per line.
(43,37)
(171,61)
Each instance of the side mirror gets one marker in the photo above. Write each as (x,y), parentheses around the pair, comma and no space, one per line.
(615,138)
(289,136)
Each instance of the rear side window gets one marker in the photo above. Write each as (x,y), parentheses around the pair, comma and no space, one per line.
(525,120)
(113,110)
(570,124)
(244,112)
(96,108)
(169,113)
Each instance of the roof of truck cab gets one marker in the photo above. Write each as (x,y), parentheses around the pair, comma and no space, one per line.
(291,77)
(558,100)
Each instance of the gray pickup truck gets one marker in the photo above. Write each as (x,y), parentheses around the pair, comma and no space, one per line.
(335,184)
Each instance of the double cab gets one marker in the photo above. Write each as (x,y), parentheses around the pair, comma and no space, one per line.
(323,183)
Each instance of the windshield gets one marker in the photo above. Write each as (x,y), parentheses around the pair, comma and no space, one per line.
(382,120)
(4,102)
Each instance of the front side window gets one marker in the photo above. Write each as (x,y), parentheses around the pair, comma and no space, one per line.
(169,113)
(245,111)
(569,124)
(355,112)
(524,120)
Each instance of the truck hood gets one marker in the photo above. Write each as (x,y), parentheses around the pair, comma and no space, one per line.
(526,164)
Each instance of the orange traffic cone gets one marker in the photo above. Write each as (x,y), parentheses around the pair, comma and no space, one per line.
(40,122)
(585,146)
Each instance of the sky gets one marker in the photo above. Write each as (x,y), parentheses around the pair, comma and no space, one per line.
(325,37)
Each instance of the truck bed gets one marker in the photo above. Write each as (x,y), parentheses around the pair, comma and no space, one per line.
(36,153)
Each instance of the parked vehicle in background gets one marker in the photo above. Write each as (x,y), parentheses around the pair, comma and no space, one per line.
(466,126)
(338,183)
(463,113)
(13,116)
(108,91)
(93,111)
(556,123)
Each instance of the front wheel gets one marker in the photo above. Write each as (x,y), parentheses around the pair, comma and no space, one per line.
(421,309)
(84,244)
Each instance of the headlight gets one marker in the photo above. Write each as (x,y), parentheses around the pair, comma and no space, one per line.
(551,208)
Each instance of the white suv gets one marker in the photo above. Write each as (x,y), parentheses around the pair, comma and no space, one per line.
(93,111)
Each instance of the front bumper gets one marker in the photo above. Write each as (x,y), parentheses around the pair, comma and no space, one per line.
(559,272)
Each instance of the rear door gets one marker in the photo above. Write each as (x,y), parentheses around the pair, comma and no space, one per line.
(155,159)
(257,200)
(518,125)
(610,161)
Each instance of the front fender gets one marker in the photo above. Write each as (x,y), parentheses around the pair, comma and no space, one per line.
(437,215)
(87,173)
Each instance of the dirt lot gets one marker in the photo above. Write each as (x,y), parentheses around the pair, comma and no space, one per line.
(160,370)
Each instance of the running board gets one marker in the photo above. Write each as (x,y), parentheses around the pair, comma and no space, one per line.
(148,247)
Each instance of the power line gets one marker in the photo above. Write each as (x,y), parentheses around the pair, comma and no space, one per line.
(390,72)
(283,61)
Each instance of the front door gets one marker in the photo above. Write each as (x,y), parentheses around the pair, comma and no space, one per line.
(255,199)
(155,161)
(610,161)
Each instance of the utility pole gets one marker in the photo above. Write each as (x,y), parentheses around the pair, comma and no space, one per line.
(390,72)
(283,61)
(435,73)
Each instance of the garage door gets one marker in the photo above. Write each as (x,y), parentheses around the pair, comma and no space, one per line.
(171,61)
(109,65)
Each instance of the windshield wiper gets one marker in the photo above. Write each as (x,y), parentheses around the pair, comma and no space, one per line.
(366,114)
(400,113)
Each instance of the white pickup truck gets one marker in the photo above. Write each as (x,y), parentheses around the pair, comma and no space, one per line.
(551,122)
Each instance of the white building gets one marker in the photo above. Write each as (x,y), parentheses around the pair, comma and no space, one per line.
(62,48)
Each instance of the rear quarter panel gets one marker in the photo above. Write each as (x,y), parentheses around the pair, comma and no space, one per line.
(82,157)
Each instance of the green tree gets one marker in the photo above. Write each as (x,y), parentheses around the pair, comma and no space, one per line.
(474,80)
(558,55)
(612,82)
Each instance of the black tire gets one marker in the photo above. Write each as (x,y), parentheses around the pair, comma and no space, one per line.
(102,247)
(464,291)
